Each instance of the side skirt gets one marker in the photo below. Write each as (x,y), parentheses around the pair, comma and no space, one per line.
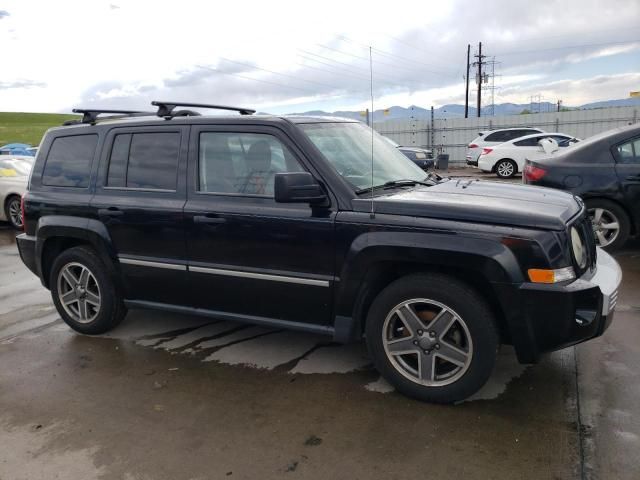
(268,322)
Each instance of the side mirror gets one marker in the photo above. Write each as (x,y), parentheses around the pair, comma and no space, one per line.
(298,187)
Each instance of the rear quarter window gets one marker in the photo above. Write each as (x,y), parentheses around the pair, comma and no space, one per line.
(69,161)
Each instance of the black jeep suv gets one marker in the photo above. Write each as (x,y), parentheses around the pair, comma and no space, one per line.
(313,224)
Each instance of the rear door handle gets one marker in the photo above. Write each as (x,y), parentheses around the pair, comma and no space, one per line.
(110,212)
(208,219)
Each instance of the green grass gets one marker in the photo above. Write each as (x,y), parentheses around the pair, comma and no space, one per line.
(28,127)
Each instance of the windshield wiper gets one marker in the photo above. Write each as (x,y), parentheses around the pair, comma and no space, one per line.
(393,184)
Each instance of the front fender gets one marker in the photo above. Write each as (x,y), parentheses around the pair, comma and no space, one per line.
(488,257)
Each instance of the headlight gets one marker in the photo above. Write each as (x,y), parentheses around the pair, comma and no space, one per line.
(579,252)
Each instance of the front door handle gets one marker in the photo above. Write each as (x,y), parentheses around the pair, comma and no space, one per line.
(110,212)
(208,219)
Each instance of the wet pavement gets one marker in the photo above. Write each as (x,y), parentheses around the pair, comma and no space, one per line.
(177,397)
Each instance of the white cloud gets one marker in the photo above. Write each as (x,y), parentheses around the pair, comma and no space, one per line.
(127,53)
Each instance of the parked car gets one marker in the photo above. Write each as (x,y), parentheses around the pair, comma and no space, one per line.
(281,221)
(15,149)
(490,138)
(605,171)
(422,157)
(507,159)
(14,174)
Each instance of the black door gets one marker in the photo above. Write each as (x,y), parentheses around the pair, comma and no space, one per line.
(627,155)
(140,196)
(249,255)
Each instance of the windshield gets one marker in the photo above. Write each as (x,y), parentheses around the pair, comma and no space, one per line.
(348,147)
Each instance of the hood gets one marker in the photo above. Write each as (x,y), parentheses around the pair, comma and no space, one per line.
(482,202)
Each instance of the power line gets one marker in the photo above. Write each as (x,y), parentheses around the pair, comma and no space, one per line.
(394,55)
(324,70)
(216,70)
(390,80)
(281,74)
(568,47)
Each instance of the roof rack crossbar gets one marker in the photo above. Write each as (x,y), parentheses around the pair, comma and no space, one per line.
(90,115)
(165,109)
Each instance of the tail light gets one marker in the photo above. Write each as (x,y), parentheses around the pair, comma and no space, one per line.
(473,145)
(486,151)
(533,173)
(24,223)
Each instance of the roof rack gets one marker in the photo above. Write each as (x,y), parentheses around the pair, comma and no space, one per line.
(90,115)
(165,109)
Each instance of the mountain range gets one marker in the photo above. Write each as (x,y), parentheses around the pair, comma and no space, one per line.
(457,111)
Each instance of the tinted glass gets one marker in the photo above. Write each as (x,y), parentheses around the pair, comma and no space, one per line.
(495,137)
(528,142)
(69,161)
(629,152)
(153,160)
(118,161)
(242,163)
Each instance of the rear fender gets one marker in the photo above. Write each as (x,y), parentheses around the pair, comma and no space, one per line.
(88,231)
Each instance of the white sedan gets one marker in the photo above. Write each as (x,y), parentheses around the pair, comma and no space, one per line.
(507,159)
(14,176)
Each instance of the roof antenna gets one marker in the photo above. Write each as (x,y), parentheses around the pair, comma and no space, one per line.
(372,214)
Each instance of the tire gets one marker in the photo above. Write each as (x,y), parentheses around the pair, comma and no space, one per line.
(506,168)
(604,213)
(103,303)
(432,294)
(13,211)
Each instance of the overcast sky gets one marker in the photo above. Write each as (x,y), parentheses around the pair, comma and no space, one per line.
(294,56)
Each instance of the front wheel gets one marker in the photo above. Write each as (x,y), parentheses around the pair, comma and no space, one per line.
(432,337)
(506,168)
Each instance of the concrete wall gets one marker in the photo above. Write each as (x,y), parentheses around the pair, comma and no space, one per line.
(454,134)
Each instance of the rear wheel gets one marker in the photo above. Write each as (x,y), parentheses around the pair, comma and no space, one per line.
(432,337)
(610,222)
(84,293)
(506,168)
(13,211)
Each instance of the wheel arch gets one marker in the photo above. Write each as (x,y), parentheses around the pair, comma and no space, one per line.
(56,234)
(632,219)
(368,272)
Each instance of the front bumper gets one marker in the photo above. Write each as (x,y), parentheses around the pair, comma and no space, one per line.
(545,318)
(485,164)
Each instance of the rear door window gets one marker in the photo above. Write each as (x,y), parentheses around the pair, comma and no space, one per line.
(628,152)
(69,161)
(146,161)
(496,137)
(528,142)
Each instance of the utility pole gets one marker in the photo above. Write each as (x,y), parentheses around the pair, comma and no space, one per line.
(492,86)
(479,78)
(433,126)
(368,121)
(559,104)
(466,91)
